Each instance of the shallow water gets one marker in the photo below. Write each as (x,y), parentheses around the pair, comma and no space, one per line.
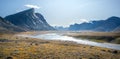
(54,36)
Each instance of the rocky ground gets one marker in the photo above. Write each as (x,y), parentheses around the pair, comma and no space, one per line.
(14,47)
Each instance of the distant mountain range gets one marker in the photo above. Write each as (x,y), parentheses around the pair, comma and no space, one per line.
(61,28)
(110,24)
(28,20)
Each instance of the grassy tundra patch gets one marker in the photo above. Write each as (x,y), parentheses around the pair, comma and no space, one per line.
(29,48)
(110,37)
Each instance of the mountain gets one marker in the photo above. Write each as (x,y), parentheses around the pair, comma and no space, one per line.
(117,29)
(101,25)
(29,20)
(6,26)
(61,28)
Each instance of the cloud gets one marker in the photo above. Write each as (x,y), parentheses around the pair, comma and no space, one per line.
(84,20)
(81,21)
(32,6)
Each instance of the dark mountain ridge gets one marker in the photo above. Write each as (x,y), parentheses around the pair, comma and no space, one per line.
(6,26)
(101,25)
(29,20)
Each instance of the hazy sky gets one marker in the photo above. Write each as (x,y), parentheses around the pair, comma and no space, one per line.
(64,12)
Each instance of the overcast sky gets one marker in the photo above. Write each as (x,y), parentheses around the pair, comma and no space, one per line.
(64,12)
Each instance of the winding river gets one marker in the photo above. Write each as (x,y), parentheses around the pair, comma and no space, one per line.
(55,36)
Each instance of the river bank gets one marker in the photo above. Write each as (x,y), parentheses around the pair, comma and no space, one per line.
(102,37)
(32,48)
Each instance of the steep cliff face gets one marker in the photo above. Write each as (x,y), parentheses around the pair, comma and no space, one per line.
(29,20)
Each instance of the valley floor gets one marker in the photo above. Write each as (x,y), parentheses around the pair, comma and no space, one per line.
(16,47)
(107,37)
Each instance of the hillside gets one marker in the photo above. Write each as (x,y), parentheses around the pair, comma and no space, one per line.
(102,25)
(6,26)
(29,20)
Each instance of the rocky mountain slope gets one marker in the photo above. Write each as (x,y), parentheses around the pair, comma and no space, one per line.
(103,25)
(6,26)
(29,20)
(117,29)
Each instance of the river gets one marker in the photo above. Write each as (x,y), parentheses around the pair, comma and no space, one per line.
(55,36)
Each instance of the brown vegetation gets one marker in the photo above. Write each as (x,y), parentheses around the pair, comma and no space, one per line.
(14,47)
(110,37)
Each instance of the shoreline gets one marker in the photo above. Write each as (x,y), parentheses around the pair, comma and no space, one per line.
(24,47)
